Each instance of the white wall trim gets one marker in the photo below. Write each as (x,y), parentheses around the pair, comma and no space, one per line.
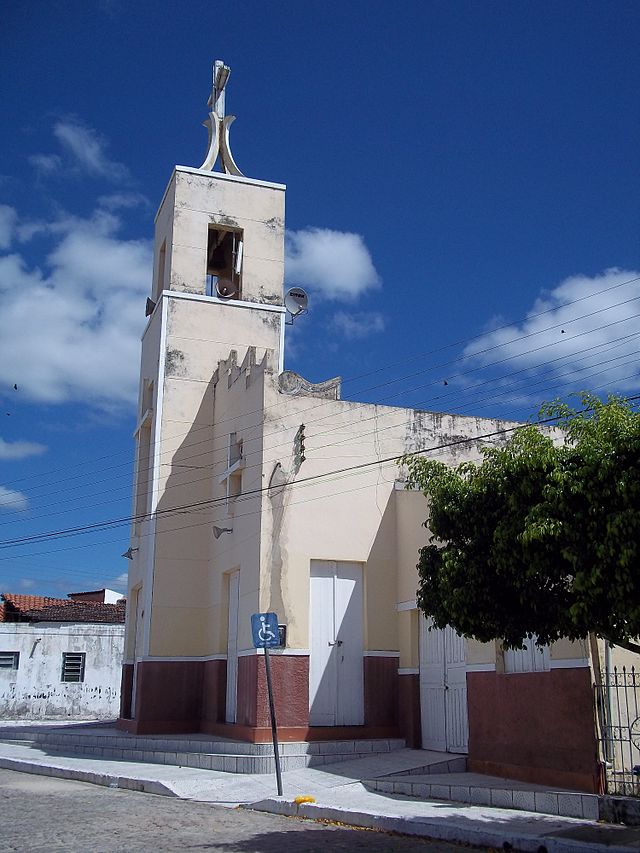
(408,670)
(149,575)
(281,353)
(407,605)
(165,659)
(568,663)
(245,653)
(218,176)
(235,179)
(481,667)
(380,654)
(233,303)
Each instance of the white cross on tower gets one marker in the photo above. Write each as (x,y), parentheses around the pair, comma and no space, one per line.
(218,124)
(221,74)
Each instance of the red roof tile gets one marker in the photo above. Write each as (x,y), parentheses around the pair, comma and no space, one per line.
(40,608)
(27,602)
(79,611)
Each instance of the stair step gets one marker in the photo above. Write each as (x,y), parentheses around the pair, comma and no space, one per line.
(200,752)
(451,765)
(490,791)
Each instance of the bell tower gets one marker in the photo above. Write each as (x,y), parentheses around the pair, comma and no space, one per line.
(217,287)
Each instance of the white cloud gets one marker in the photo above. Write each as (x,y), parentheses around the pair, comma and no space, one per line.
(13,450)
(72,333)
(120,583)
(359,325)
(119,201)
(8,219)
(588,326)
(89,150)
(334,264)
(46,164)
(12,500)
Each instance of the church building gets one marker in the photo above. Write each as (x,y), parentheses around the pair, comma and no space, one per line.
(257,491)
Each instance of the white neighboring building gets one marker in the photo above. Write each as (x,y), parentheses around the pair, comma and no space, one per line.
(61,658)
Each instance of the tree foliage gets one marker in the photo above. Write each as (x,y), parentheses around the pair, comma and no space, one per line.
(542,537)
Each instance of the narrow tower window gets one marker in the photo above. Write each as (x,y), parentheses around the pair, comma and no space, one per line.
(224,263)
(162,256)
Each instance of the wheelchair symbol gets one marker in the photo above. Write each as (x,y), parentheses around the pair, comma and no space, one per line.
(265,634)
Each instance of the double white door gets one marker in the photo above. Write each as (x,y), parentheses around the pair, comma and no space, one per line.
(443,690)
(336,678)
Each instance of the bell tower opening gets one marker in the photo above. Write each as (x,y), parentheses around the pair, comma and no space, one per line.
(224,263)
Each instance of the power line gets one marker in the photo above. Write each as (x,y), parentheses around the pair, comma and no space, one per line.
(607,344)
(210,445)
(409,359)
(304,482)
(185,508)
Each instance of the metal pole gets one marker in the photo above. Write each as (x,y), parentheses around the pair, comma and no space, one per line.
(274,726)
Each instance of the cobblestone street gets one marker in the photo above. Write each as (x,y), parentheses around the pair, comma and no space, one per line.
(42,815)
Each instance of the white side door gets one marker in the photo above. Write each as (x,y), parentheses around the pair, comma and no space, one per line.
(432,704)
(456,709)
(336,678)
(443,690)
(232,648)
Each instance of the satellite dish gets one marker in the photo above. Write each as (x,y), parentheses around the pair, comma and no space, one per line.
(225,288)
(296,301)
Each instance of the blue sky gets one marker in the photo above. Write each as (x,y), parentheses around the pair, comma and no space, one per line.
(462,206)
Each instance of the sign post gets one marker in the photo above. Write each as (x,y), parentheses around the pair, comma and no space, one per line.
(264,627)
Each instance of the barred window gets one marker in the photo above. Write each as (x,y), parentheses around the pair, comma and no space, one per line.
(9,660)
(73,666)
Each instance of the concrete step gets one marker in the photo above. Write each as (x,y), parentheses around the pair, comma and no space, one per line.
(476,789)
(198,751)
(452,764)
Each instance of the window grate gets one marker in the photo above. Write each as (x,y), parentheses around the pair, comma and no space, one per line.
(73,666)
(9,660)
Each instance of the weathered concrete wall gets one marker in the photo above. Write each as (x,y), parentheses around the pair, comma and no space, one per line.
(35,691)
(180,601)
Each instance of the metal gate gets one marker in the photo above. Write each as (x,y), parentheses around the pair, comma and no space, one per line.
(618,714)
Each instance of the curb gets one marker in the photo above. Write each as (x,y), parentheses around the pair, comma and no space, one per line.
(436,829)
(107,780)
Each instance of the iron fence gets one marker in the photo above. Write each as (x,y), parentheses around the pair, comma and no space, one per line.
(618,712)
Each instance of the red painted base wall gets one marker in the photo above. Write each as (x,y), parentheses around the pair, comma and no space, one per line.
(408,700)
(535,727)
(190,696)
(290,677)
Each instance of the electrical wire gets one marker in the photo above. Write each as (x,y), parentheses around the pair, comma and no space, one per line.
(409,359)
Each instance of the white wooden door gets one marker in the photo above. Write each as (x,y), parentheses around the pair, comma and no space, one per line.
(443,690)
(336,678)
(232,648)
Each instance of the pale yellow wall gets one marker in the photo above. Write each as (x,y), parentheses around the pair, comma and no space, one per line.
(359,517)
(257,209)
(163,234)
(481,653)
(380,616)
(412,512)
(345,517)
(186,339)
(241,548)
(569,650)
(179,631)
(409,638)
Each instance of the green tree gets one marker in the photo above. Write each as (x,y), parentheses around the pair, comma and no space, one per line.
(542,537)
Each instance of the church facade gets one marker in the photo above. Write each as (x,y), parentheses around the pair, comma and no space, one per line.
(257,491)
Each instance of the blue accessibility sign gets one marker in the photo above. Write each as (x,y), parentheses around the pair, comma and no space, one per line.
(264,627)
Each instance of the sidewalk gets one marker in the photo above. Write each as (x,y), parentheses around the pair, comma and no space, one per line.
(343,792)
